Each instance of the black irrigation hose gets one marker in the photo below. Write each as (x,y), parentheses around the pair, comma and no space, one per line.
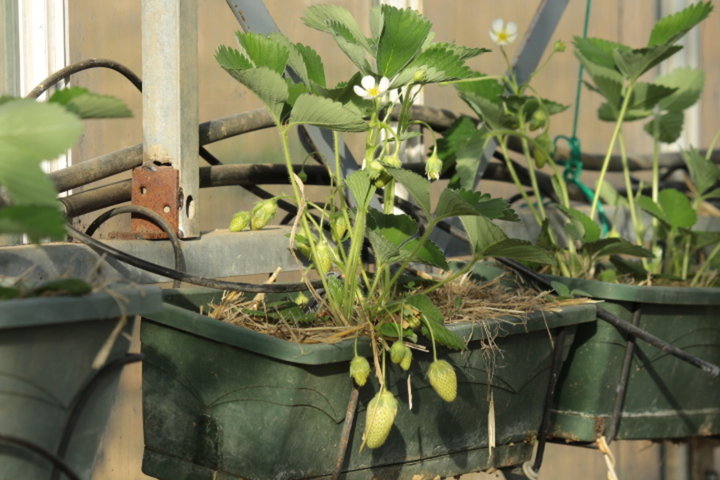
(79,67)
(46,454)
(81,399)
(153,216)
(186,277)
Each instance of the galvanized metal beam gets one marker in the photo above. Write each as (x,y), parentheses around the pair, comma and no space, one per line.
(170,114)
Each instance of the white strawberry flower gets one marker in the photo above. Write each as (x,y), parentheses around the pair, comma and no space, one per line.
(369,89)
(503,33)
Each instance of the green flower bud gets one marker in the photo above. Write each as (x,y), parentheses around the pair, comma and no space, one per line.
(263,212)
(433,166)
(359,370)
(393,161)
(419,76)
(323,257)
(377,173)
(538,119)
(559,46)
(239,221)
(338,226)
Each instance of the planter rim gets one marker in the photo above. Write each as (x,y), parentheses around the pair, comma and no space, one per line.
(643,294)
(39,311)
(182,319)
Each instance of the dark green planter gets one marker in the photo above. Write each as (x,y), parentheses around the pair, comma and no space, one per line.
(665,397)
(47,346)
(223,402)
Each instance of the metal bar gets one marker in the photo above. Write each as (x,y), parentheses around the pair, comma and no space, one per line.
(170,103)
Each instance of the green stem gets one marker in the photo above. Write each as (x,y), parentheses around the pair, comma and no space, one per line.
(705,265)
(637,227)
(611,148)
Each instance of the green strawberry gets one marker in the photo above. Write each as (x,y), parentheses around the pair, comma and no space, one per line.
(263,212)
(239,222)
(401,354)
(443,379)
(359,370)
(323,257)
(379,419)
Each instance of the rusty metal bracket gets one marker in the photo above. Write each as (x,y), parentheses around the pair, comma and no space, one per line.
(156,188)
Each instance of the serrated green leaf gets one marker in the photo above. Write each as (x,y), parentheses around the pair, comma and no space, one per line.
(376,22)
(677,208)
(520,250)
(403,35)
(268,85)
(29,133)
(417,186)
(85,104)
(356,52)
(386,252)
(313,64)
(329,18)
(481,232)
(460,51)
(615,246)
(703,172)
(688,84)
(647,204)
(598,51)
(429,253)
(442,335)
(468,158)
(320,111)
(590,229)
(36,221)
(232,59)
(666,127)
(671,28)
(436,64)
(633,63)
(454,203)
(359,185)
(264,51)
(432,320)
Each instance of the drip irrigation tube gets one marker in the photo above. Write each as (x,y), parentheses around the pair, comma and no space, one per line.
(153,217)
(46,454)
(186,277)
(81,400)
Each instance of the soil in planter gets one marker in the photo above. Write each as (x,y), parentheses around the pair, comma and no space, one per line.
(461,300)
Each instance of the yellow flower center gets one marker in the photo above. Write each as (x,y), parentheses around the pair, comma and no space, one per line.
(503,36)
(373,92)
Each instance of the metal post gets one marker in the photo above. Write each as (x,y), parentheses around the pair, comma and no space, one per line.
(168,181)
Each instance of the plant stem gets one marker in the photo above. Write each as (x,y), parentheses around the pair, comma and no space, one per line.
(639,230)
(611,147)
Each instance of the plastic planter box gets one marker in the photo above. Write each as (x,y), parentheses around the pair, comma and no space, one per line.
(223,402)
(47,346)
(664,397)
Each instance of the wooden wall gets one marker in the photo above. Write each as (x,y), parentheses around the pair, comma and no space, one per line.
(112,30)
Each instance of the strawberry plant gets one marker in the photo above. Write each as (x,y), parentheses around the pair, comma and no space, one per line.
(394,64)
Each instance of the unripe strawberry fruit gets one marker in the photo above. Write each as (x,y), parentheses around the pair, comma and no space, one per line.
(443,379)
(398,350)
(263,212)
(239,222)
(323,257)
(359,370)
(379,419)
(407,360)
